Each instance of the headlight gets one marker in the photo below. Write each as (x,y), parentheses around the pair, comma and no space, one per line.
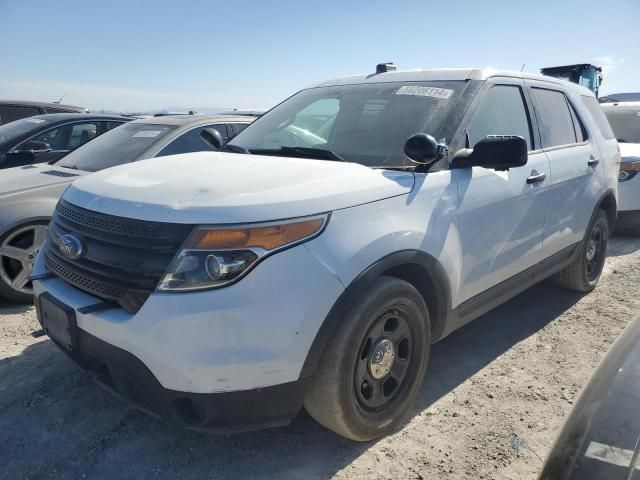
(628,170)
(213,256)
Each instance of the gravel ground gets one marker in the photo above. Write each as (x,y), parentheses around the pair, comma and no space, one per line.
(497,392)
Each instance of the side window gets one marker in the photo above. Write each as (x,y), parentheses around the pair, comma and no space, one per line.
(192,141)
(9,113)
(598,116)
(554,118)
(81,133)
(502,112)
(67,137)
(581,131)
(240,126)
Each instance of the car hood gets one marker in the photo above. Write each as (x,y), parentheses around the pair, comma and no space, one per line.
(216,187)
(630,152)
(35,177)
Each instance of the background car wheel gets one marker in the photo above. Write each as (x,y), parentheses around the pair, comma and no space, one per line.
(18,249)
(583,274)
(372,368)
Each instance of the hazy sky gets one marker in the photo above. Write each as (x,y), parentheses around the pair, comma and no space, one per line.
(130,55)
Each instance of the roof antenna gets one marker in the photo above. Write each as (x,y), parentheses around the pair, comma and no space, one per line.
(60,99)
(522,67)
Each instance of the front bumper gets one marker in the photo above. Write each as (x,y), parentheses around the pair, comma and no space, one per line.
(214,358)
(127,377)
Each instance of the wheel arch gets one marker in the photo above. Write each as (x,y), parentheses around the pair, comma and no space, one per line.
(609,204)
(418,268)
(10,227)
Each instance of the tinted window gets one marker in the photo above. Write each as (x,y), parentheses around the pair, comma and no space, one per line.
(10,113)
(240,127)
(59,110)
(581,131)
(502,111)
(68,137)
(20,127)
(554,118)
(81,133)
(193,141)
(118,146)
(598,115)
(625,123)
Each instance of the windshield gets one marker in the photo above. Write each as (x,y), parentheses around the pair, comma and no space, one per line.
(625,124)
(19,127)
(365,123)
(121,145)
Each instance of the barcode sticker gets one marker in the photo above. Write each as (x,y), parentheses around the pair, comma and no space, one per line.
(443,93)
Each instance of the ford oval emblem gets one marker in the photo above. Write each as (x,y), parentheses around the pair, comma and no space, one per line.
(71,246)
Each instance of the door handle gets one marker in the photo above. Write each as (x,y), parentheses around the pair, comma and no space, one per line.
(593,161)
(536,177)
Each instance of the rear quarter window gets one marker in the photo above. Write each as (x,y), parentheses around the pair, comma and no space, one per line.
(598,116)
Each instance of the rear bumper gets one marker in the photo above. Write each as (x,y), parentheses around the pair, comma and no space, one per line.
(628,219)
(127,377)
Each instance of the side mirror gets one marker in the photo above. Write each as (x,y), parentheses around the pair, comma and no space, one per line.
(33,147)
(213,136)
(422,148)
(499,152)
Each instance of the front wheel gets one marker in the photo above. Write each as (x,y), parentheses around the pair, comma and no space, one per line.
(583,274)
(18,249)
(373,366)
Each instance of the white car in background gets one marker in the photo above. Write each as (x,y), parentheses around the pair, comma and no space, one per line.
(624,118)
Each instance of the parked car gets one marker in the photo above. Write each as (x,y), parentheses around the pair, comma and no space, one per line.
(599,440)
(28,195)
(47,138)
(624,118)
(12,110)
(226,290)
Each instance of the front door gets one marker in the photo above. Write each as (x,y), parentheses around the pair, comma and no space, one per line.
(501,213)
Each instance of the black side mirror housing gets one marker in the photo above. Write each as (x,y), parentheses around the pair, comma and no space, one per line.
(422,148)
(213,136)
(33,147)
(498,152)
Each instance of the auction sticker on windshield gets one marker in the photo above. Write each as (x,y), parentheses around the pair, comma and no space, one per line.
(434,92)
(146,134)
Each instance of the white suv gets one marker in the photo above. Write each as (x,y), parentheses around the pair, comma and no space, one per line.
(315,259)
(624,118)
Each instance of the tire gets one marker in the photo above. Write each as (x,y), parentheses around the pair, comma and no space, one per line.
(583,274)
(352,394)
(17,251)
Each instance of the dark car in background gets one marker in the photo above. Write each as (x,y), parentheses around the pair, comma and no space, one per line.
(601,437)
(28,195)
(12,110)
(47,138)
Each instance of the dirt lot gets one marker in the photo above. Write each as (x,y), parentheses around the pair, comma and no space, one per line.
(497,392)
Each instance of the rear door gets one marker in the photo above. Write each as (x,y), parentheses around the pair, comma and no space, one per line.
(501,214)
(576,183)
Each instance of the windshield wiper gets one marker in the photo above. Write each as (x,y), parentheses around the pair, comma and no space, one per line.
(72,167)
(234,149)
(304,152)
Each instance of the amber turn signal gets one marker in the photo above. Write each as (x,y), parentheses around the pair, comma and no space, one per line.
(268,237)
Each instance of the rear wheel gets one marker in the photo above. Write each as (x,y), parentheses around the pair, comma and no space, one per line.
(583,274)
(371,371)
(18,249)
